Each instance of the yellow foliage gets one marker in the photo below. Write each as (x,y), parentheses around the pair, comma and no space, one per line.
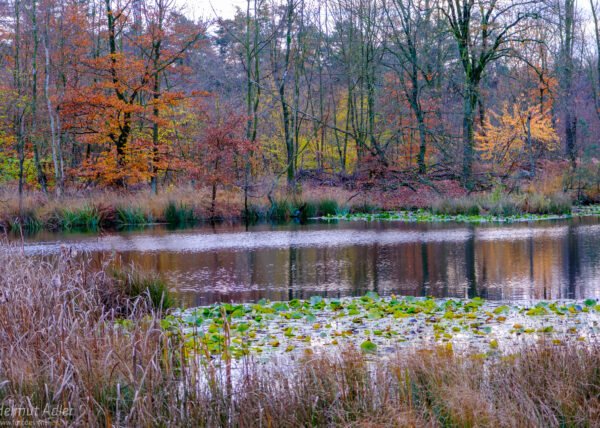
(503,140)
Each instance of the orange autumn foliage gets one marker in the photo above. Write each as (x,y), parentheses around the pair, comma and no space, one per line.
(124,112)
(504,139)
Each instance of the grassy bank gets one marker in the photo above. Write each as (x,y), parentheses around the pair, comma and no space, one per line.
(176,207)
(79,343)
(188,206)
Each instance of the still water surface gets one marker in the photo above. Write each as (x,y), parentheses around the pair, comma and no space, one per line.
(543,260)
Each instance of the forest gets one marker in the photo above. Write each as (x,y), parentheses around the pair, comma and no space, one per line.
(375,95)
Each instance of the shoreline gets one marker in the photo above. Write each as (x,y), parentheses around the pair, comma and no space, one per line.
(98,218)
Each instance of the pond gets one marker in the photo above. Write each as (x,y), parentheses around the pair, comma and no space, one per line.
(235,263)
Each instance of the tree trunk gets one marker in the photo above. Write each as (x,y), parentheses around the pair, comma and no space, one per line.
(155,114)
(470,103)
(567,84)
(41,177)
(285,111)
(530,148)
(55,139)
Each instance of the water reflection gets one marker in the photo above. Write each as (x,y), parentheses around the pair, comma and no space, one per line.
(228,263)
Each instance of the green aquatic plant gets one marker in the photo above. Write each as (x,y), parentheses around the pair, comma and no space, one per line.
(305,210)
(253,213)
(281,210)
(87,217)
(382,321)
(421,216)
(368,346)
(132,216)
(28,221)
(179,214)
(133,284)
(327,207)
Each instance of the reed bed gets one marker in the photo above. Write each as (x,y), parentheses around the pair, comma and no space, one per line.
(188,205)
(177,207)
(78,350)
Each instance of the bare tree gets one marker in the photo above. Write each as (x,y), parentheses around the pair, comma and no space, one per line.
(410,38)
(566,15)
(484,31)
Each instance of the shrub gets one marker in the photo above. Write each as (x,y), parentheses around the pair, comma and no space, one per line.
(500,204)
(584,181)
(536,204)
(504,208)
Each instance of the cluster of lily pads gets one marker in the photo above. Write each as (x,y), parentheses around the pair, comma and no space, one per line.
(380,324)
(424,216)
(586,211)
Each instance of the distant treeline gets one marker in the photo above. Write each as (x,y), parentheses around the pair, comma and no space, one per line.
(121,94)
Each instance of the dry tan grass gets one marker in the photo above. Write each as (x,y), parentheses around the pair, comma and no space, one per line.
(62,345)
(45,207)
(48,210)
